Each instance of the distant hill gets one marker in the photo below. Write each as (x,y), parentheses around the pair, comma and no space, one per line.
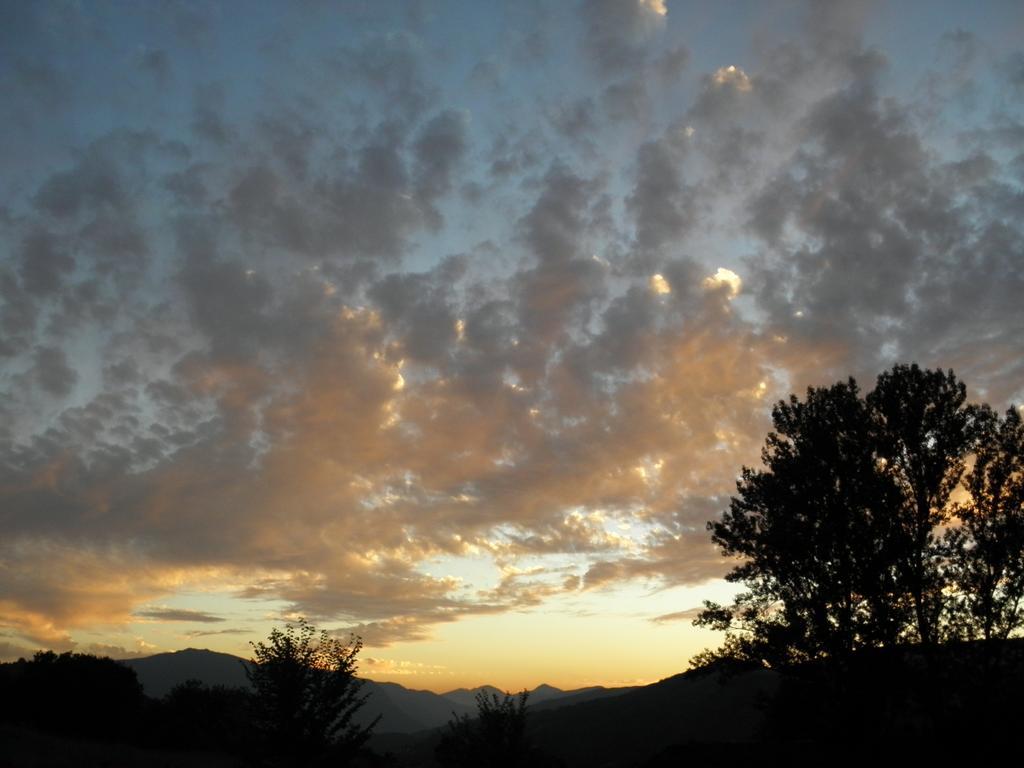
(161,672)
(543,693)
(620,727)
(542,697)
(569,698)
(632,727)
(402,710)
(466,697)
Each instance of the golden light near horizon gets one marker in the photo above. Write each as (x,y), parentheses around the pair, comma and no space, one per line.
(454,329)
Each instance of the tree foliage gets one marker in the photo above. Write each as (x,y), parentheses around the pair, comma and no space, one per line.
(496,738)
(985,553)
(195,715)
(923,430)
(306,695)
(75,694)
(818,561)
(841,533)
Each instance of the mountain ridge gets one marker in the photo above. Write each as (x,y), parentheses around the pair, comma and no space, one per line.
(402,710)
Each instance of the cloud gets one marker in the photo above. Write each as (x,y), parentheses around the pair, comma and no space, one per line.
(51,371)
(672,63)
(440,146)
(208,121)
(576,120)
(731,77)
(657,7)
(627,100)
(392,66)
(13,651)
(372,666)
(381,634)
(62,586)
(98,180)
(725,280)
(659,284)
(304,341)
(156,62)
(18,315)
(617,31)
(663,205)
(177,614)
(218,632)
(118,652)
(688,615)
(419,308)
(43,263)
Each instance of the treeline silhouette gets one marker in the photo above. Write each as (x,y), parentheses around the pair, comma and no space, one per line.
(297,715)
(82,696)
(298,712)
(495,738)
(73,694)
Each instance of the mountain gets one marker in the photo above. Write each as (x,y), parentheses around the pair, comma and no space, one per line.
(629,727)
(401,710)
(544,693)
(466,697)
(543,696)
(161,672)
(568,698)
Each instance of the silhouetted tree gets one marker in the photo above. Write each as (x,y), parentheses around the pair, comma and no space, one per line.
(76,694)
(819,552)
(198,716)
(924,430)
(305,696)
(496,738)
(838,533)
(986,551)
(858,560)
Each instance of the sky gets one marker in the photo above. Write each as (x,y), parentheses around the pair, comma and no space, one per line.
(451,324)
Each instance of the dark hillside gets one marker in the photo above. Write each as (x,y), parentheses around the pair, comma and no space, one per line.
(159,673)
(629,727)
(577,697)
(632,727)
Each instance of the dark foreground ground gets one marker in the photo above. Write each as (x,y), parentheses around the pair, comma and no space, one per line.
(957,705)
